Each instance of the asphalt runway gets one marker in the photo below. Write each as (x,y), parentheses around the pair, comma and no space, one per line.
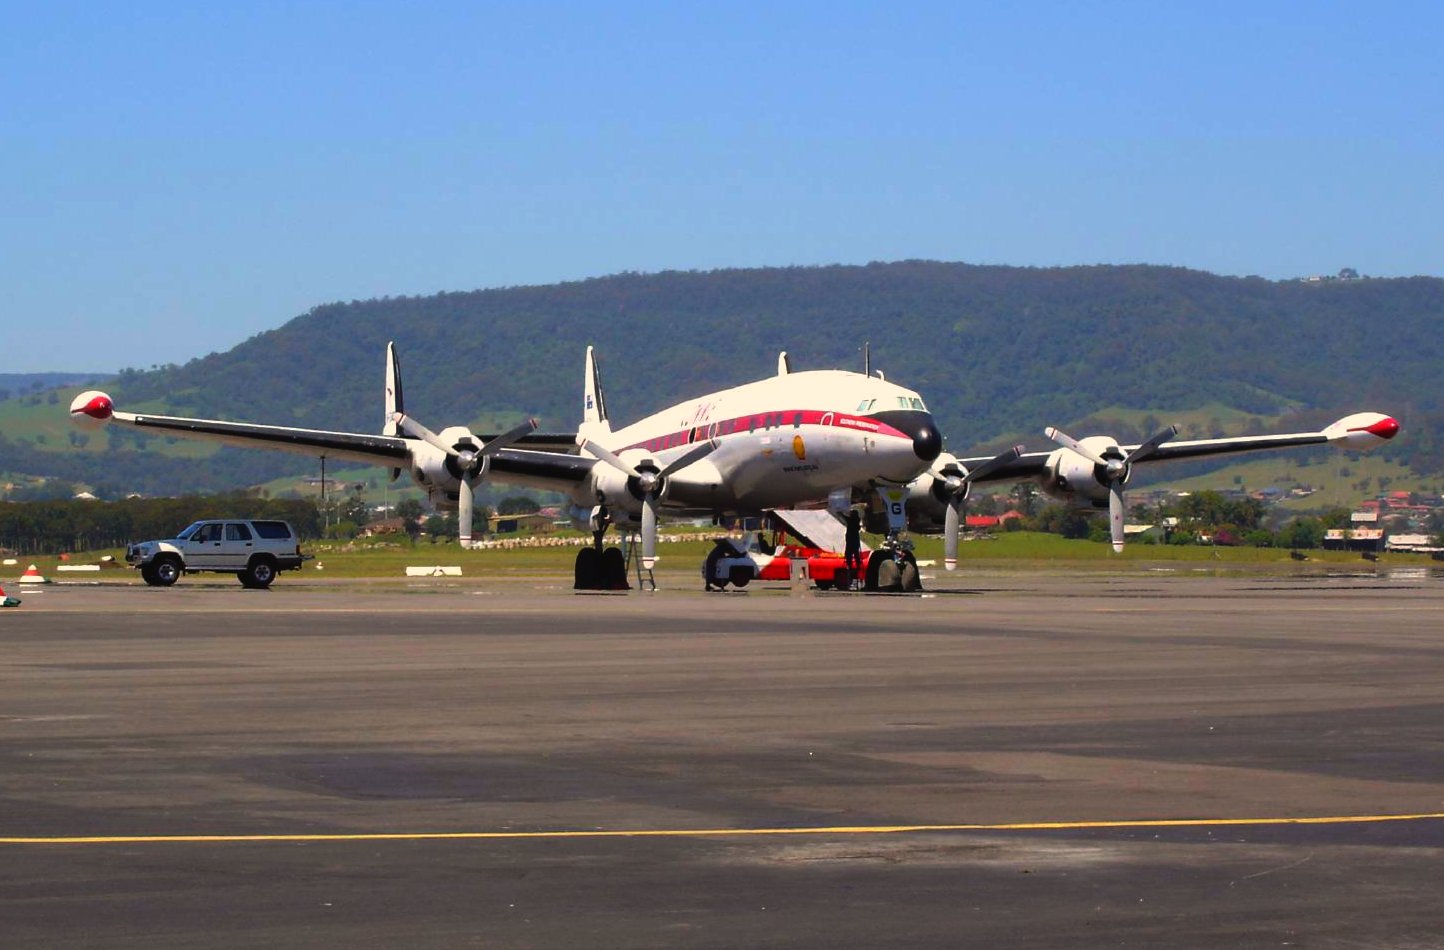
(1023,761)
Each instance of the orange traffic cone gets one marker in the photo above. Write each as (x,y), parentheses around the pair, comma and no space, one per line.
(32,575)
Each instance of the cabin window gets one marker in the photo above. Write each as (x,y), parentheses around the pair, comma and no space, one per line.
(797,420)
(751,424)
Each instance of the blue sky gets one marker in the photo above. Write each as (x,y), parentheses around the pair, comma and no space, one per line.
(179,177)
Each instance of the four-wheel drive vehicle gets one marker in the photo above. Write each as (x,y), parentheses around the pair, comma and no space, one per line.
(252,550)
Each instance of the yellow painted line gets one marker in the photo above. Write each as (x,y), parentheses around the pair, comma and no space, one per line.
(722,832)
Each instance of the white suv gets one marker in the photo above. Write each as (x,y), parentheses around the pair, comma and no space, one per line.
(252,550)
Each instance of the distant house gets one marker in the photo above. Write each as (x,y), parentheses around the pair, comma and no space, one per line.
(1355,539)
(384,527)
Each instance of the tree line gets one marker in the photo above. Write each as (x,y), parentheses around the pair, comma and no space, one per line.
(52,527)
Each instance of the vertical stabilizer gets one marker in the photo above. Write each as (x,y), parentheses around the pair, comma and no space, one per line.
(394,403)
(594,404)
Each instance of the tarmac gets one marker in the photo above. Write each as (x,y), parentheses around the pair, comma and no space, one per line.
(1022,760)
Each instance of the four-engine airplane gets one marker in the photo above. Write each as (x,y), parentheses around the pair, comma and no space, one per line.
(814,439)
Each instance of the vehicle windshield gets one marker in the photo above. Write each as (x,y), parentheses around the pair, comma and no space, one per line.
(190,529)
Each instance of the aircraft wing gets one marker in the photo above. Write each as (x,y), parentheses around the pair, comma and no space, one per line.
(1359,431)
(544,460)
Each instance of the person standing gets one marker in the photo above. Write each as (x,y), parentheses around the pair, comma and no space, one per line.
(852,547)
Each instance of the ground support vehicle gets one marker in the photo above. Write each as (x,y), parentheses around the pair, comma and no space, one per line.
(763,557)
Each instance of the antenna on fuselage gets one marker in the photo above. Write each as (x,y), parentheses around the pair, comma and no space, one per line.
(867,359)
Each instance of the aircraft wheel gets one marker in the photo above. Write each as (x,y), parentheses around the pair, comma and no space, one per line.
(588,574)
(614,570)
(908,577)
(889,576)
(873,580)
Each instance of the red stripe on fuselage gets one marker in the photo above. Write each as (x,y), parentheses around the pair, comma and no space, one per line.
(766,422)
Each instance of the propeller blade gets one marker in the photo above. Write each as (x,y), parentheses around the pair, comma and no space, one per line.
(1115,516)
(951,529)
(700,452)
(1151,446)
(993,464)
(418,431)
(649,532)
(464,508)
(508,437)
(610,457)
(1068,442)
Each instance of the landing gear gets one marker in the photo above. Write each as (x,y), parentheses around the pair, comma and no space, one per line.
(598,567)
(601,569)
(893,568)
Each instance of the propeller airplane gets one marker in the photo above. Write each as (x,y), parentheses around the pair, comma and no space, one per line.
(820,439)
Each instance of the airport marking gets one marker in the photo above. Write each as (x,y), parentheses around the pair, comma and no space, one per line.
(1128,824)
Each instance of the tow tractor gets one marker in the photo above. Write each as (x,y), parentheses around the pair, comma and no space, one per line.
(814,537)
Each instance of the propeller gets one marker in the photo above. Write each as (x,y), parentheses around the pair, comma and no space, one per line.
(469,455)
(649,482)
(1113,472)
(951,483)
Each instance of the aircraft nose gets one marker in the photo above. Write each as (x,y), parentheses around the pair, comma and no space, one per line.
(927,441)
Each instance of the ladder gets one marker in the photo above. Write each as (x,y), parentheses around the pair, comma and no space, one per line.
(632,544)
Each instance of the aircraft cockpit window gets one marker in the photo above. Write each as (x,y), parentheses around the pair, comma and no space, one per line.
(866,404)
(917,403)
(902,402)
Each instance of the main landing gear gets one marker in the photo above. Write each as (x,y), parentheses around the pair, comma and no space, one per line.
(599,567)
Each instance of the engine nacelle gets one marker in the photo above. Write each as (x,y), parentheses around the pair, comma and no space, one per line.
(928,494)
(1079,482)
(439,474)
(616,489)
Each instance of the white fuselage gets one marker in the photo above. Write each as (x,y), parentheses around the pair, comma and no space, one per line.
(783,442)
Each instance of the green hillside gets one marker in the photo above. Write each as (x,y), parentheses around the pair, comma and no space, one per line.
(997,351)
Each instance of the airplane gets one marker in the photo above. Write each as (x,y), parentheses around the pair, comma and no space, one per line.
(817,439)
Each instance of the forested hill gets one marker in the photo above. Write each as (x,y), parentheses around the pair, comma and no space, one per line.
(994,350)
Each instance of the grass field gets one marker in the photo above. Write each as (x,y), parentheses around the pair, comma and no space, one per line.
(681,560)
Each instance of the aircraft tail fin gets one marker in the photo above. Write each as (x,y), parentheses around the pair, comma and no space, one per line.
(594,404)
(394,403)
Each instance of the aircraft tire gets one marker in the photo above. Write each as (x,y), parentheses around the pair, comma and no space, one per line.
(588,575)
(872,580)
(614,570)
(908,577)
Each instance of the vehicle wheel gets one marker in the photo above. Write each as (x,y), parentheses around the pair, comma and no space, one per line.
(709,570)
(167,570)
(823,585)
(258,575)
(614,570)
(908,577)
(740,576)
(588,575)
(147,574)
